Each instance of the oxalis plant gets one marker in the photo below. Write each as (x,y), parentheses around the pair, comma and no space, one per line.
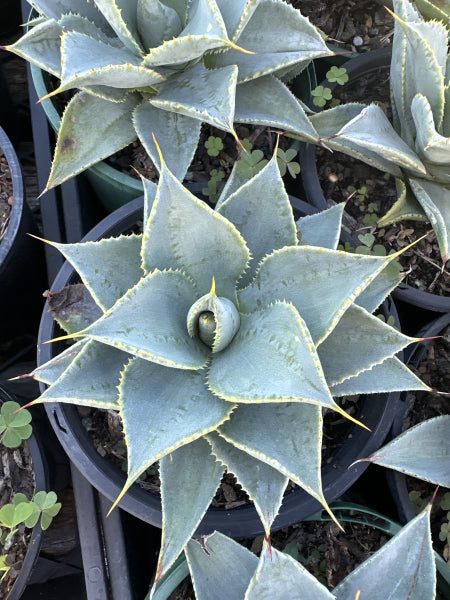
(220,339)
(139,67)
(417,151)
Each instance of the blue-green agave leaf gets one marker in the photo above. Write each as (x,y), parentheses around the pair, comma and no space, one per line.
(121,266)
(122,17)
(84,383)
(205,30)
(184,93)
(267,101)
(236,15)
(387,376)
(430,145)
(41,46)
(160,334)
(278,571)
(177,136)
(183,232)
(150,190)
(272,358)
(264,195)
(220,567)
(287,436)
(435,201)
(380,288)
(308,277)
(162,410)
(357,343)
(55,9)
(91,129)
(405,207)
(194,470)
(50,371)
(424,48)
(157,22)
(422,451)
(214,319)
(322,229)
(290,39)
(264,484)
(87,61)
(412,577)
(371,136)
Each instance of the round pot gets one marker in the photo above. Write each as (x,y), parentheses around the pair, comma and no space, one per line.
(41,478)
(356,67)
(112,187)
(21,259)
(376,412)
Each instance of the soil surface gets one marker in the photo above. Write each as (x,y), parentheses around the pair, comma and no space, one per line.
(16,475)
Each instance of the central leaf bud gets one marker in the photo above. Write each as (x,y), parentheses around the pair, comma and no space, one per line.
(214,320)
(207,327)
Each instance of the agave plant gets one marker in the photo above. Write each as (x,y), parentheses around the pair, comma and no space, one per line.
(434,9)
(144,67)
(421,451)
(278,575)
(220,338)
(417,151)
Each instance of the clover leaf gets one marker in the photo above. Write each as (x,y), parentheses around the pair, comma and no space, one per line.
(14,424)
(337,75)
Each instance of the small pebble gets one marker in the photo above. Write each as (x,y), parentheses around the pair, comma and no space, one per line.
(357,40)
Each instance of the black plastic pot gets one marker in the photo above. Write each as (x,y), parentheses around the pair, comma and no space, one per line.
(356,67)
(41,478)
(376,412)
(22,272)
(396,480)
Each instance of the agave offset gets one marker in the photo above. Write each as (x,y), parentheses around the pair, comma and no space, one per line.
(162,67)
(220,338)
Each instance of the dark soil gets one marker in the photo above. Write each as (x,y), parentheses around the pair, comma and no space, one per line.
(16,475)
(6,194)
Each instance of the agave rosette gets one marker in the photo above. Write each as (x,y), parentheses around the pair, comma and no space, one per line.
(220,340)
(145,67)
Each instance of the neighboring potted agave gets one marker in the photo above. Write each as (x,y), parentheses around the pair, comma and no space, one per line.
(419,155)
(220,339)
(422,452)
(276,575)
(164,67)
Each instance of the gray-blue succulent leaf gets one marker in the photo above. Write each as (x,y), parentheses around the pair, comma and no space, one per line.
(278,575)
(421,451)
(234,353)
(187,59)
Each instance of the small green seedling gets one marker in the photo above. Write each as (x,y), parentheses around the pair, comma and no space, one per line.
(251,161)
(390,321)
(14,424)
(3,567)
(286,163)
(337,75)
(416,500)
(321,95)
(213,145)
(214,187)
(44,506)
